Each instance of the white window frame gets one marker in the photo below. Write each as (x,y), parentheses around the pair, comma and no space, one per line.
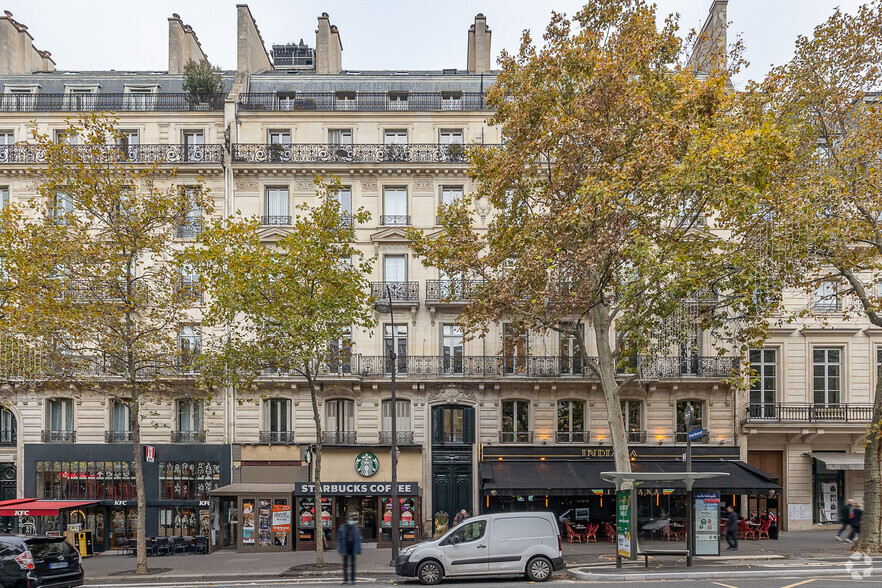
(281,205)
(278,137)
(826,297)
(340,136)
(68,415)
(345,101)
(280,421)
(403,420)
(139,98)
(80,97)
(398,100)
(125,410)
(334,421)
(827,366)
(395,137)
(450,136)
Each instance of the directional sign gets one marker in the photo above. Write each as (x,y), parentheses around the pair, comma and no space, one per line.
(696,434)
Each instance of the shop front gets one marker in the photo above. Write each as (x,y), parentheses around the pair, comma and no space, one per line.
(253,518)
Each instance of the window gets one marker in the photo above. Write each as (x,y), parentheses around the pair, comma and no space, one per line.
(690,352)
(81,98)
(190,416)
(190,287)
(514,348)
(449,424)
(764,388)
(191,227)
(826,297)
(98,480)
(451,100)
(66,137)
(4,197)
(571,421)
(402,416)
(277,418)
(827,374)
(395,339)
(139,98)
(8,432)
(177,521)
(119,417)
(128,143)
(697,419)
(394,207)
(19,99)
(451,348)
(516,422)
(450,195)
(7,137)
(467,532)
(340,353)
(59,414)
(340,415)
(344,101)
(344,197)
(398,101)
(450,136)
(63,208)
(279,137)
(632,418)
(276,207)
(188,480)
(395,137)
(394,269)
(189,344)
(570,355)
(194,145)
(340,136)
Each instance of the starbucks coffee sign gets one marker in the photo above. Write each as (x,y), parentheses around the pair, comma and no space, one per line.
(367,464)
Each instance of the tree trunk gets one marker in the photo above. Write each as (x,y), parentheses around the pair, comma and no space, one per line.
(317,479)
(141,528)
(870,539)
(599,316)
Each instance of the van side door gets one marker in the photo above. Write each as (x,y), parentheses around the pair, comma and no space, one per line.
(465,549)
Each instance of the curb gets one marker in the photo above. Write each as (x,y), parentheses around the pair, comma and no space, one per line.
(183,578)
(708,575)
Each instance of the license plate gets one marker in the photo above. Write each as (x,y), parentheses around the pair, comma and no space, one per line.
(57,565)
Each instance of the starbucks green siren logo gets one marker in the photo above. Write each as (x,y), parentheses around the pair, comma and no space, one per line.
(367,464)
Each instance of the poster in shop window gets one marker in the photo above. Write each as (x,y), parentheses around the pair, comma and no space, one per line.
(264,536)
(829,502)
(281,523)
(248,522)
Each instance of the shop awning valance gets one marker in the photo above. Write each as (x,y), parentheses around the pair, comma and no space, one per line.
(38,508)
(840,461)
(573,478)
(245,489)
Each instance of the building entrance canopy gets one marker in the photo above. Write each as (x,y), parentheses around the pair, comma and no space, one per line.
(840,461)
(32,507)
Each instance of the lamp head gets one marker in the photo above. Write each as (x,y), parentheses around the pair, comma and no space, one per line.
(383,306)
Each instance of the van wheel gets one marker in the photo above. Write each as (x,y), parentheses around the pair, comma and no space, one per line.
(539,569)
(430,572)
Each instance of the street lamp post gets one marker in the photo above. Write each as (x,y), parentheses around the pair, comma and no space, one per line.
(383,306)
(688,419)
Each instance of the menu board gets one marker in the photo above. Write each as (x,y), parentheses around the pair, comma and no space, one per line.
(707,523)
(248,522)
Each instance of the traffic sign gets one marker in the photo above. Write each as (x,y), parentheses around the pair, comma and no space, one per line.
(696,434)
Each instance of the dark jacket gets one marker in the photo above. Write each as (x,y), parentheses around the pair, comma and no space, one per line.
(845,513)
(458,518)
(348,540)
(855,520)
(732,521)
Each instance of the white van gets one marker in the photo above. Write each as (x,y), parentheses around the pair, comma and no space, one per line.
(507,544)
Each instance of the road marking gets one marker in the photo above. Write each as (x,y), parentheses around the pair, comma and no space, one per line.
(799,583)
(726,585)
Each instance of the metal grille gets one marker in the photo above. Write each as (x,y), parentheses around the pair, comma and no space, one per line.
(339,437)
(152,153)
(280,437)
(403,437)
(400,291)
(359,101)
(59,436)
(126,102)
(188,436)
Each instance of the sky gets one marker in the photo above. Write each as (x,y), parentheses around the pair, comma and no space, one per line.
(380,34)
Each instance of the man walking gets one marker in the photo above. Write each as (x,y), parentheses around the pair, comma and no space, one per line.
(856,514)
(845,517)
(349,546)
(460,517)
(731,528)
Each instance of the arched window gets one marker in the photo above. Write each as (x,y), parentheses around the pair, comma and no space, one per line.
(8,434)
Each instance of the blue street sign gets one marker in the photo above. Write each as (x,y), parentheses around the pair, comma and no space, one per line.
(696,434)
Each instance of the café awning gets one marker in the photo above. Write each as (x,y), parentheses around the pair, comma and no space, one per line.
(32,507)
(840,461)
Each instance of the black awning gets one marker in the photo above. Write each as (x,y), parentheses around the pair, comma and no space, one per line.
(573,478)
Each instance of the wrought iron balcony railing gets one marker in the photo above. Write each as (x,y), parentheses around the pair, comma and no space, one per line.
(189,230)
(373,153)
(188,436)
(451,291)
(276,220)
(571,437)
(339,437)
(117,436)
(681,437)
(59,436)
(782,412)
(111,102)
(636,436)
(395,220)
(373,101)
(516,437)
(276,437)
(155,153)
(697,366)
(400,291)
(403,437)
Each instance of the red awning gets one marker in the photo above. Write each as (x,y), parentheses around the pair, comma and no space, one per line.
(31,507)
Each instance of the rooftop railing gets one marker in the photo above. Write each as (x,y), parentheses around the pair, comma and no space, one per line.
(125,102)
(296,153)
(144,153)
(364,101)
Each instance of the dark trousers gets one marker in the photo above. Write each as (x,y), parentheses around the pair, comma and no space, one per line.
(855,531)
(349,568)
(732,538)
(844,527)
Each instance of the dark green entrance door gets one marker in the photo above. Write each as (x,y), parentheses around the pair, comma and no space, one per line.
(453,435)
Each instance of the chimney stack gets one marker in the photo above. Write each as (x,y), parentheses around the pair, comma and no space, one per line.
(182,45)
(328,47)
(479,46)
(251,55)
(710,49)
(17,52)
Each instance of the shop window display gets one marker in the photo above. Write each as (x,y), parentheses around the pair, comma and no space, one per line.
(85,480)
(306,517)
(184,520)
(183,480)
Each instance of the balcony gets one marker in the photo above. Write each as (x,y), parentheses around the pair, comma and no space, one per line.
(451,291)
(189,230)
(363,101)
(636,436)
(188,436)
(690,366)
(516,437)
(395,220)
(571,437)
(59,436)
(329,153)
(117,436)
(339,437)
(276,221)
(125,102)
(402,437)
(781,412)
(681,437)
(276,437)
(24,153)
(399,291)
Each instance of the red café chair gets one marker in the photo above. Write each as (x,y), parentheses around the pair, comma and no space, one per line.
(764,529)
(610,532)
(591,532)
(745,531)
(573,536)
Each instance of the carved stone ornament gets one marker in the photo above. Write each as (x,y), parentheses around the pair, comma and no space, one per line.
(450,393)
(422,183)
(369,185)
(303,184)
(245,184)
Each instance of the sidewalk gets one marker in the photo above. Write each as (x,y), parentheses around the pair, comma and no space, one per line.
(806,550)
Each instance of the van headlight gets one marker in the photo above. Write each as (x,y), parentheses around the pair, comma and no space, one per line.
(407,550)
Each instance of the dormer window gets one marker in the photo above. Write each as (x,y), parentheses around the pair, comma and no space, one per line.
(398,101)
(451,100)
(139,97)
(344,101)
(79,98)
(19,97)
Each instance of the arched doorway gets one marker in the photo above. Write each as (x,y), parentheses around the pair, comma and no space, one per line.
(453,434)
(8,439)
